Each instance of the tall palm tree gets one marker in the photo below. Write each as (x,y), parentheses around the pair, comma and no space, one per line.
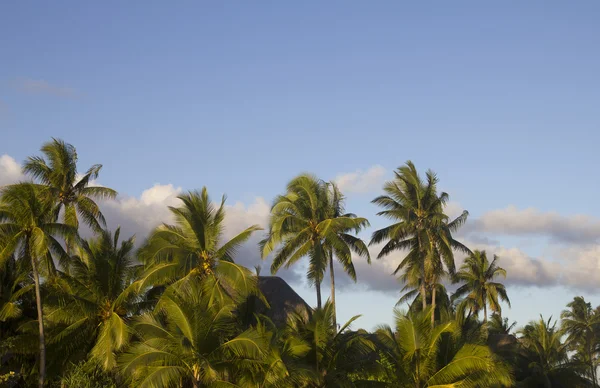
(192,338)
(30,231)
(94,304)
(421,227)
(581,324)
(414,349)
(193,246)
(72,193)
(302,224)
(480,289)
(357,245)
(547,356)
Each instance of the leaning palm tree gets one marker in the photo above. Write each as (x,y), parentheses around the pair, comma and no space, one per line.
(581,324)
(479,289)
(193,246)
(302,224)
(192,338)
(93,305)
(414,349)
(72,193)
(30,232)
(357,245)
(421,227)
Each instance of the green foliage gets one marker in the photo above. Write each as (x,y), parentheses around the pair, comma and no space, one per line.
(193,246)
(69,193)
(421,227)
(90,307)
(179,311)
(307,221)
(191,336)
(479,289)
(546,356)
(81,376)
(581,324)
(426,356)
(342,357)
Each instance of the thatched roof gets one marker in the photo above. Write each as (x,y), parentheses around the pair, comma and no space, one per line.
(282,299)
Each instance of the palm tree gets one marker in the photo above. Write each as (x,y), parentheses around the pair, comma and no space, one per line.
(338,356)
(14,284)
(302,224)
(94,304)
(499,325)
(72,193)
(582,326)
(17,306)
(357,245)
(412,296)
(421,227)
(479,289)
(284,365)
(192,338)
(546,356)
(414,349)
(29,230)
(193,246)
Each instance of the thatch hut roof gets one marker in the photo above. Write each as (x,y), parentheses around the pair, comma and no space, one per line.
(282,299)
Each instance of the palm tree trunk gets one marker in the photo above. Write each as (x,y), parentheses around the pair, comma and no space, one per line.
(422,270)
(38,302)
(485,313)
(433,305)
(423,294)
(318,285)
(332,290)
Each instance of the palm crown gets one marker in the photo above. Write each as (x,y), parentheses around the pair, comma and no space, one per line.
(94,302)
(479,289)
(193,246)
(303,223)
(71,193)
(192,337)
(421,358)
(421,227)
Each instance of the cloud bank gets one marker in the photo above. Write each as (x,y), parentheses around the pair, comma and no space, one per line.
(361,181)
(573,256)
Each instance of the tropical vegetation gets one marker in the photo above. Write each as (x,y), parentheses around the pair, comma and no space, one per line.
(83,306)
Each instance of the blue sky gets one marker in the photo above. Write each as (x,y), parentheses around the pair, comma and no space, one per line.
(501,100)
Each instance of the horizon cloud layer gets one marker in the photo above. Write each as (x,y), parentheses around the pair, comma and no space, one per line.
(575,260)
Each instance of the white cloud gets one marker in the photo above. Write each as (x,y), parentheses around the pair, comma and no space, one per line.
(532,222)
(361,181)
(581,266)
(10,170)
(140,215)
(42,87)
(522,269)
(453,209)
(569,264)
